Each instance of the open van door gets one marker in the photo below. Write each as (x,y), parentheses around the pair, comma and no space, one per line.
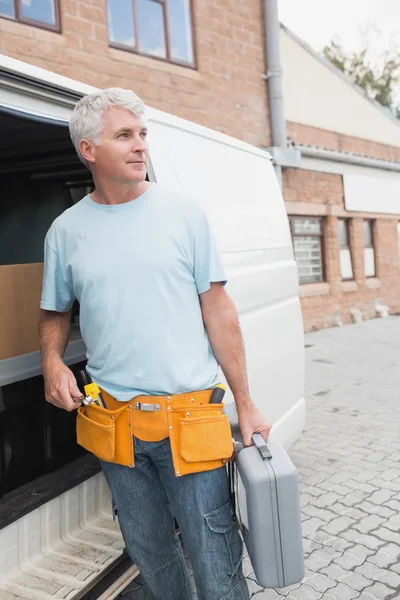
(57,535)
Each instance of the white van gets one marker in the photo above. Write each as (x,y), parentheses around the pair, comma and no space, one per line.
(57,536)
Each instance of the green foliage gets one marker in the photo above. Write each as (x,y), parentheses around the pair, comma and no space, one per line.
(378,80)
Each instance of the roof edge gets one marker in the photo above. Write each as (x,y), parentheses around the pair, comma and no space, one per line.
(345,78)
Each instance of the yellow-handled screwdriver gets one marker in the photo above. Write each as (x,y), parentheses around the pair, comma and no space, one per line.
(92,391)
(218,394)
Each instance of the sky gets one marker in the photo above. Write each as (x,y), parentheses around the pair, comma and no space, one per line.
(318,21)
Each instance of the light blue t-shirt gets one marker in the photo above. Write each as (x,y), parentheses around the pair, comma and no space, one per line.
(137,269)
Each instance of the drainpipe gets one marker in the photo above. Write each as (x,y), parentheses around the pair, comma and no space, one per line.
(282,155)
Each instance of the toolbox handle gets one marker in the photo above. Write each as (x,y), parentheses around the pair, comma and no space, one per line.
(261,445)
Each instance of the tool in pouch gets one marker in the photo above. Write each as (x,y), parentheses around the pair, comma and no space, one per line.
(92,391)
(218,394)
(102,428)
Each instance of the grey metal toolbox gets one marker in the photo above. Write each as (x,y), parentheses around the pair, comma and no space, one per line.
(268,510)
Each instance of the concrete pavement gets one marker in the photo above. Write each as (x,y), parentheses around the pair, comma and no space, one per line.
(349,462)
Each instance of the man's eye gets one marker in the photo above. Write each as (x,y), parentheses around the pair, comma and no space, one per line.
(123,135)
(143,134)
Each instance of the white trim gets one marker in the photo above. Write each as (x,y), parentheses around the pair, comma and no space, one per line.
(349,158)
(341,168)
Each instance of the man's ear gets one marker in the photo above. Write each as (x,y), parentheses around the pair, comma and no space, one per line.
(88,150)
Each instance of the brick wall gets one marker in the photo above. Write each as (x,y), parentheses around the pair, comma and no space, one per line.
(321,194)
(226,92)
(312,186)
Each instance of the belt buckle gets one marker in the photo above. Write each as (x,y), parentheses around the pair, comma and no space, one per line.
(147,407)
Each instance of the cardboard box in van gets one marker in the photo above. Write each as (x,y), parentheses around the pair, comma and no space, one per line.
(20,290)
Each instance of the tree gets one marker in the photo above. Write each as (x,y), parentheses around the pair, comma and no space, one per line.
(378,79)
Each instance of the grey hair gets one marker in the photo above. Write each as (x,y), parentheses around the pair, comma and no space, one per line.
(86,119)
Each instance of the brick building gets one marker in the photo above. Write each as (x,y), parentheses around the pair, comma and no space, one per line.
(345,191)
(206,61)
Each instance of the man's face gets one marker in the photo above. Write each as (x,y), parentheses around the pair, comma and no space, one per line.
(123,153)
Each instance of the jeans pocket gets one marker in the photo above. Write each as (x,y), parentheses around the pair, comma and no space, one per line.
(225,547)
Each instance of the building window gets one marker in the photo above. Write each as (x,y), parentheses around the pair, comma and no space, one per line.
(158,28)
(346,266)
(369,252)
(43,13)
(307,244)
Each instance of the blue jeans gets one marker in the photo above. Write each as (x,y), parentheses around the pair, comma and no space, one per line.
(147,499)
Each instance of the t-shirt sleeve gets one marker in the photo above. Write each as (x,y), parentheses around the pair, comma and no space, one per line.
(208,267)
(56,291)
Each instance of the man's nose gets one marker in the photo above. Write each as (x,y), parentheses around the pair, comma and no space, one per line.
(140,145)
(139,152)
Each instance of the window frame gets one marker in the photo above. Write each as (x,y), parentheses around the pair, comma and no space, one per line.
(347,223)
(40,24)
(292,219)
(168,59)
(372,225)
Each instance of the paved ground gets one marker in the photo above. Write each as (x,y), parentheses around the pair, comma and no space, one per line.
(349,463)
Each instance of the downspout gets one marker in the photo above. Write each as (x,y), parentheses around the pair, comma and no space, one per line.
(274,81)
(282,155)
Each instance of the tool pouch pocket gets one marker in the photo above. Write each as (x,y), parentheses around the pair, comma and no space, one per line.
(205,438)
(201,438)
(106,433)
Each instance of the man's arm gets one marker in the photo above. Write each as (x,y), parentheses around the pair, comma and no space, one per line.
(222,325)
(60,384)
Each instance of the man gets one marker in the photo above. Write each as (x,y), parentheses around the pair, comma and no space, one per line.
(156,320)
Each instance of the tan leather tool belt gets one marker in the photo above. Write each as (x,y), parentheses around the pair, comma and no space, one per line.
(199,432)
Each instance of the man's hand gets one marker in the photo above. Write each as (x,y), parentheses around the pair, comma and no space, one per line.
(252,421)
(61,388)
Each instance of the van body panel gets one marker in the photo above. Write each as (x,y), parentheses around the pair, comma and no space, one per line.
(234,182)
(236,185)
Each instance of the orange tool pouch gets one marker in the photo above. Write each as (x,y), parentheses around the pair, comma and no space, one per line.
(199,433)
